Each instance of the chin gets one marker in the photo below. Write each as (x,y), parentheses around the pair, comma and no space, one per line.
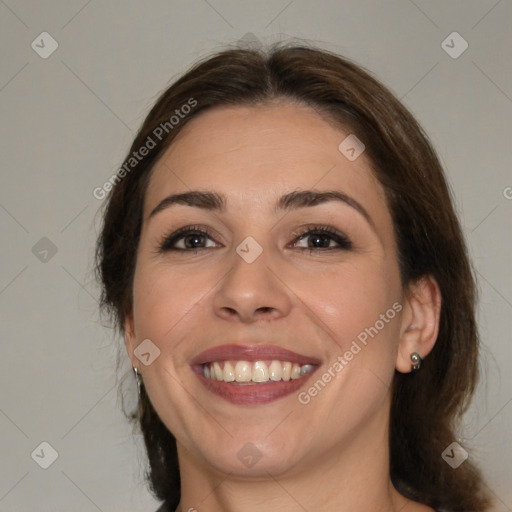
(255,460)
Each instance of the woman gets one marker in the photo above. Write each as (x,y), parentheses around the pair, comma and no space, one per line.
(281,254)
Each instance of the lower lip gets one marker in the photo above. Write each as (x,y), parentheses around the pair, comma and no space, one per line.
(252,394)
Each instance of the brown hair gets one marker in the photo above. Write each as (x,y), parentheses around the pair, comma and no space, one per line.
(427,406)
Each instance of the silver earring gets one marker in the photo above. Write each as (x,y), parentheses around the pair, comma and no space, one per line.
(138,378)
(416,361)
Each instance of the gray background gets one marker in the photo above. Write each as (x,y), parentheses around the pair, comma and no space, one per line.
(66,123)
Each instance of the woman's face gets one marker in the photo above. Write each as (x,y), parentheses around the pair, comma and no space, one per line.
(256,285)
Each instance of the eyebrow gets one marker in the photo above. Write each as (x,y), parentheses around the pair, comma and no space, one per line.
(292,201)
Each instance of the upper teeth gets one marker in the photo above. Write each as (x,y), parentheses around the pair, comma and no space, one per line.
(257,371)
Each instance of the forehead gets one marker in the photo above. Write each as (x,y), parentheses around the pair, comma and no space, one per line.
(257,153)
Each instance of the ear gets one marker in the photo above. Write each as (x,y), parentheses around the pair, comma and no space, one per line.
(420,321)
(130,339)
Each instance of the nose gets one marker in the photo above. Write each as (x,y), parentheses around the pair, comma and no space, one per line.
(252,291)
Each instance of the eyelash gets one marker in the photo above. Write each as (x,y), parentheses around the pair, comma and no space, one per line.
(167,241)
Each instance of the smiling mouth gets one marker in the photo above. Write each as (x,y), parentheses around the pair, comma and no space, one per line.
(252,374)
(255,372)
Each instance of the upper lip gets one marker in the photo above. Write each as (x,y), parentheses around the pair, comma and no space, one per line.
(252,353)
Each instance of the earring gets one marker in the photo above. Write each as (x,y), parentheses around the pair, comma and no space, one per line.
(138,378)
(416,361)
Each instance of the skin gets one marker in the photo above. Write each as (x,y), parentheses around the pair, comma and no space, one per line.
(331,453)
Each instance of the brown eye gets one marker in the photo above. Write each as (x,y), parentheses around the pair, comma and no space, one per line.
(188,238)
(321,238)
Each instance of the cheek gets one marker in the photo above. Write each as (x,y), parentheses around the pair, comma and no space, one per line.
(166,303)
(349,300)
(358,310)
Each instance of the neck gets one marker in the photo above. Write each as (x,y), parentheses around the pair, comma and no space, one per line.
(345,478)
